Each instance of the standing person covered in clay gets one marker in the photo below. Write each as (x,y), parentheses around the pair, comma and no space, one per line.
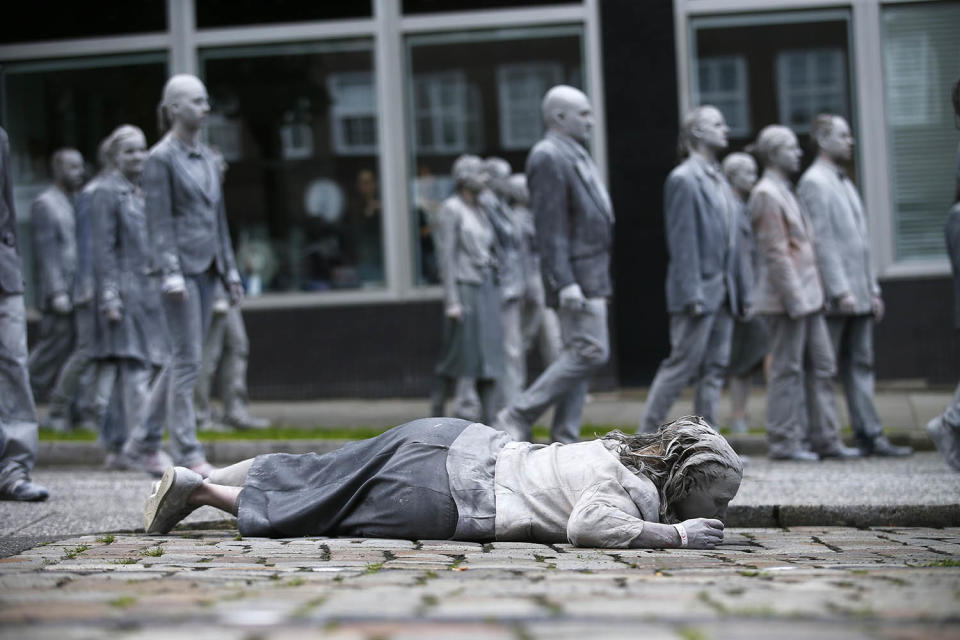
(443,478)
(790,295)
(189,245)
(703,289)
(574,221)
(129,335)
(53,230)
(473,336)
(854,303)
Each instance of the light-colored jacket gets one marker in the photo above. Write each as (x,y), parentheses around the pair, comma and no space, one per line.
(788,281)
(186,219)
(842,239)
(700,221)
(464,245)
(11,274)
(578,493)
(53,228)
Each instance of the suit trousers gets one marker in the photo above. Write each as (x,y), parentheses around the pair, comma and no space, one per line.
(76,381)
(171,399)
(801,405)
(852,339)
(225,349)
(699,353)
(132,379)
(18,414)
(564,384)
(47,357)
(514,355)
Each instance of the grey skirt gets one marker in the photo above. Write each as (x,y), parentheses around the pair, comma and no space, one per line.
(473,345)
(392,486)
(749,346)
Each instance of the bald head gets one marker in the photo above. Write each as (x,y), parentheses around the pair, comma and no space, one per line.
(184,104)
(68,169)
(567,110)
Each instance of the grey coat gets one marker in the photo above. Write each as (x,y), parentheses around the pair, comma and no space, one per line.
(53,230)
(122,275)
(573,217)
(952,233)
(700,218)
(186,218)
(509,239)
(787,279)
(465,248)
(11,275)
(842,239)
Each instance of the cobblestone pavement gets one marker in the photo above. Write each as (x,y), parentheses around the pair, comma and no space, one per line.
(761,583)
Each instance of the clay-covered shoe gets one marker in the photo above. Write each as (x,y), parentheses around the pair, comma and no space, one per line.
(799,455)
(947,440)
(882,447)
(25,491)
(167,505)
(840,451)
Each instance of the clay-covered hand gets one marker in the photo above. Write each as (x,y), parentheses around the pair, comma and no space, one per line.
(220,306)
(878,308)
(235,291)
(572,298)
(846,303)
(703,533)
(747,314)
(454,312)
(113,313)
(694,309)
(61,303)
(174,285)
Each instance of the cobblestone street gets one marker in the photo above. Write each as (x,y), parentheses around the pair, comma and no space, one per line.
(806,582)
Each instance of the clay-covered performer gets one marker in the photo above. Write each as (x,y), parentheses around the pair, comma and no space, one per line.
(574,221)
(18,413)
(473,336)
(751,340)
(703,292)
(853,299)
(444,478)
(53,231)
(189,245)
(129,335)
(790,295)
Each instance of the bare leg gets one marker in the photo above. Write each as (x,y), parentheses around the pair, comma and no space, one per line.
(215,495)
(234,475)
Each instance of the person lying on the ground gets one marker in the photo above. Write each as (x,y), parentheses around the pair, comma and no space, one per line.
(444,478)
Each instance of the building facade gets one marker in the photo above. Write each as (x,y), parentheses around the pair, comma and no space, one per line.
(340,121)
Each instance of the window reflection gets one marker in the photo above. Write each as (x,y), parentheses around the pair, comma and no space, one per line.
(477,92)
(298,124)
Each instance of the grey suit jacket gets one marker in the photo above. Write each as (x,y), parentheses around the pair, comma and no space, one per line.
(53,230)
(788,280)
(122,273)
(952,233)
(186,220)
(700,218)
(573,217)
(11,274)
(842,239)
(509,239)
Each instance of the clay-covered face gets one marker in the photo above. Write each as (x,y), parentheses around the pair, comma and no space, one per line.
(70,170)
(744,178)
(191,104)
(131,154)
(576,118)
(710,498)
(712,129)
(787,156)
(838,144)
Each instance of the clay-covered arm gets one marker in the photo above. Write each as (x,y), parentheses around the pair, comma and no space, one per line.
(548,201)
(106,247)
(679,213)
(46,245)
(447,230)
(158,196)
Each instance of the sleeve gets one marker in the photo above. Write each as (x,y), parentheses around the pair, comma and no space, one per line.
(226,245)
(158,196)
(46,246)
(7,178)
(447,227)
(549,202)
(745,276)
(815,200)
(773,246)
(602,518)
(106,245)
(680,227)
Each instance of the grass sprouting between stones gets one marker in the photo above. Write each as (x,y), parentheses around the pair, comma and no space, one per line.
(107,539)
(155,552)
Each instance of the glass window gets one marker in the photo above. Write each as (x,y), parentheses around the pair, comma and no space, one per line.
(298,125)
(810,81)
(443,6)
(477,92)
(230,13)
(72,103)
(772,68)
(62,19)
(722,82)
(920,66)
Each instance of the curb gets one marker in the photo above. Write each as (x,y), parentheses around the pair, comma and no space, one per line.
(903,515)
